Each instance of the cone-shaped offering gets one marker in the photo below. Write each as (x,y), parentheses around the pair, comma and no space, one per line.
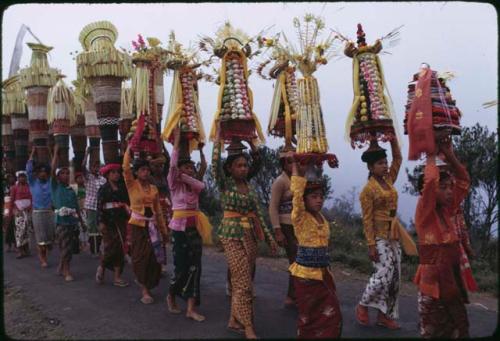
(184,109)
(234,113)
(37,80)
(371,117)
(14,104)
(104,68)
(61,114)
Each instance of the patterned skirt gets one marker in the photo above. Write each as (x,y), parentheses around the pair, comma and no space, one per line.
(67,240)
(187,251)
(113,237)
(146,268)
(318,307)
(241,256)
(44,226)
(382,291)
(23,225)
(442,319)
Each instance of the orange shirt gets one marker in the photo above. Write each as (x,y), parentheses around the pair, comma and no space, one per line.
(428,224)
(140,199)
(432,279)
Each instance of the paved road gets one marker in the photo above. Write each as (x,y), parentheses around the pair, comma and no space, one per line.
(90,311)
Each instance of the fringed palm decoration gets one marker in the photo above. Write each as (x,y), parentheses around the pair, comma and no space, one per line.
(184,109)
(77,129)
(14,105)
(83,98)
(37,79)
(312,146)
(104,68)
(285,102)
(149,64)
(61,113)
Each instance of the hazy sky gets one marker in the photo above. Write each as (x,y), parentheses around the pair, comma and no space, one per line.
(455,36)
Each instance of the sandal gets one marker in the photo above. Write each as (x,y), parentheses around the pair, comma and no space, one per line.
(99,275)
(147,299)
(69,278)
(121,283)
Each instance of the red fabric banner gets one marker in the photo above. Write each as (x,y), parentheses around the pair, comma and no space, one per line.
(420,128)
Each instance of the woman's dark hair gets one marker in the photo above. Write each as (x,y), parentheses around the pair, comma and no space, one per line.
(443,176)
(230,159)
(138,164)
(321,185)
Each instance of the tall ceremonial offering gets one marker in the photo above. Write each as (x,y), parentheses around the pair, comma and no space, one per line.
(77,130)
(312,146)
(61,114)
(285,102)
(104,68)
(7,138)
(234,114)
(144,136)
(372,116)
(184,109)
(37,79)
(127,116)
(83,98)
(430,107)
(14,105)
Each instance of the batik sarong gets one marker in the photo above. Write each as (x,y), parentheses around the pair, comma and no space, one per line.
(382,291)
(241,256)
(187,251)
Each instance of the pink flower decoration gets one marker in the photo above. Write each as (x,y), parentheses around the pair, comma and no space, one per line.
(140,40)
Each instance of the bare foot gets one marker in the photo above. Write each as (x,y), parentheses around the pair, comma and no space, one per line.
(172,305)
(195,316)
(250,333)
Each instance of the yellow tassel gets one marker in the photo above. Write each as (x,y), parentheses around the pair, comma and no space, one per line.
(356,101)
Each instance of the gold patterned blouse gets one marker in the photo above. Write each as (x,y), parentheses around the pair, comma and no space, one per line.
(308,231)
(379,205)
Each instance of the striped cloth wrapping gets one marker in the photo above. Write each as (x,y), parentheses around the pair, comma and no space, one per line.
(313,257)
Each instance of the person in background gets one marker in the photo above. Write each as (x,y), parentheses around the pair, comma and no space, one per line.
(146,224)
(93,181)
(68,215)
(8,222)
(280,209)
(42,215)
(20,211)
(80,194)
(159,173)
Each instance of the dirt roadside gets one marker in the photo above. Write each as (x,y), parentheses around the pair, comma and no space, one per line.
(24,320)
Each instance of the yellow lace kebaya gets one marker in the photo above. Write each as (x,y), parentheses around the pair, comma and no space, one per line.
(308,231)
